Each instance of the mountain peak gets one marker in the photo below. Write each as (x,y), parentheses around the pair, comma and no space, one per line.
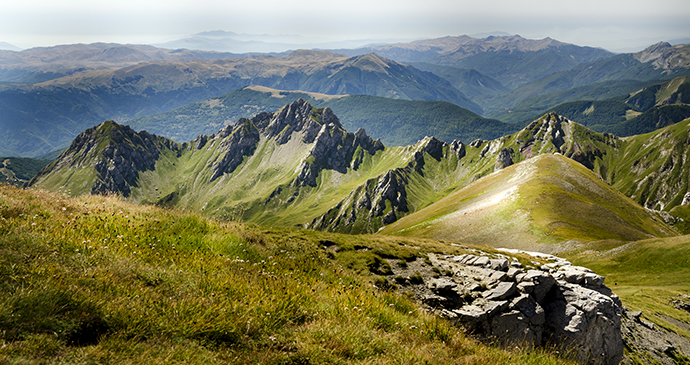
(115,152)
(665,56)
(370,62)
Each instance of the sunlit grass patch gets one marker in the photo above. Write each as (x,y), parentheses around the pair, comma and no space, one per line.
(97,280)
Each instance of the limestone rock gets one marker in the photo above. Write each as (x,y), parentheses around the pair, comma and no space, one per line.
(380,201)
(503,290)
(504,159)
(119,162)
(509,306)
(238,140)
(458,148)
(586,321)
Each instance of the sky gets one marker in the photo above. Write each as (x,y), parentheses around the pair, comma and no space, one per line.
(616,25)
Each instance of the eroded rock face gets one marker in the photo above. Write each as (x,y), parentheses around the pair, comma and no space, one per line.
(379,202)
(504,159)
(494,297)
(332,146)
(119,162)
(239,140)
(335,149)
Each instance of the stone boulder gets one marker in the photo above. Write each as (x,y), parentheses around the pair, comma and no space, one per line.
(554,304)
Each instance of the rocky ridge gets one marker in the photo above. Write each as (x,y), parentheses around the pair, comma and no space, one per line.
(383,200)
(332,146)
(117,153)
(664,56)
(498,299)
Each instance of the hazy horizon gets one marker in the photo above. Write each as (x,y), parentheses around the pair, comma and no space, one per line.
(616,25)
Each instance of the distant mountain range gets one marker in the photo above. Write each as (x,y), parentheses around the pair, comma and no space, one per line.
(223,41)
(51,94)
(37,119)
(511,60)
(624,73)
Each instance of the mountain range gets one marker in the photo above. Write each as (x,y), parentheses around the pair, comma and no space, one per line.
(74,102)
(397,122)
(367,190)
(299,166)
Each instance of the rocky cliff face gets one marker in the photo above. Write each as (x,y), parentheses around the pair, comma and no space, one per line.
(379,202)
(496,298)
(383,200)
(332,146)
(117,153)
(237,141)
(335,149)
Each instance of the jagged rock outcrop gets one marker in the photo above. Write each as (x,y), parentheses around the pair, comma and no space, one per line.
(121,162)
(238,140)
(117,153)
(299,116)
(378,202)
(458,148)
(495,297)
(333,147)
(504,159)
(434,148)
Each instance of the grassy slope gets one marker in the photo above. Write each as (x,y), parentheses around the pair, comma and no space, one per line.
(649,164)
(96,280)
(646,274)
(547,199)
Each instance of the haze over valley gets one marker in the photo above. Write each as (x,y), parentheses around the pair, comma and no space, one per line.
(312,183)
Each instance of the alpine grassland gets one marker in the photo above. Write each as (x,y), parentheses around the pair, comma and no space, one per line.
(94,279)
(648,275)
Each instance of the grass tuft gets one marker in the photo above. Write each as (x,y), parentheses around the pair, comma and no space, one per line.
(96,280)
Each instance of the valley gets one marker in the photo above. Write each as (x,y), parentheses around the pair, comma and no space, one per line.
(495,200)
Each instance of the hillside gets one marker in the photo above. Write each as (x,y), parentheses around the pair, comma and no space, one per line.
(40,118)
(623,68)
(18,171)
(511,60)
(397,122)
(639,111)
(539,201)
(473,84)
(96,279)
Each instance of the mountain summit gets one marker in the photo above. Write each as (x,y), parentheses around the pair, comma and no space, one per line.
(299,166)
